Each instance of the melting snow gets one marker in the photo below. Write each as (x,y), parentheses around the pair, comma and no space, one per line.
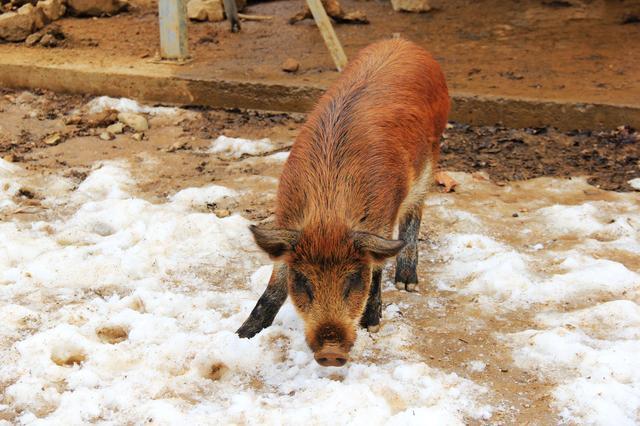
(115,310)
(102,103)
(124,311)
(593,355)
(237,147)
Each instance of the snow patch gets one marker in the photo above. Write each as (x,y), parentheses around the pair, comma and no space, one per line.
(126,311)
(197,197)
(593,354)
(102,103)
(237,147)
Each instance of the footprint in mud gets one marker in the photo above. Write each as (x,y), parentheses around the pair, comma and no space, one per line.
(68,356)
(112,334)
(216,371)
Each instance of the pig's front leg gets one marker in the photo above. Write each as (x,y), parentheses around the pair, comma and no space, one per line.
(268,305)
(372,313)
(407,259)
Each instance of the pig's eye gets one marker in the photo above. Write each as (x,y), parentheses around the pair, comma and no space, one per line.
(301,285)
(353,283)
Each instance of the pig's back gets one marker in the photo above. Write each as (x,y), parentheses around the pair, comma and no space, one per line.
(368,139)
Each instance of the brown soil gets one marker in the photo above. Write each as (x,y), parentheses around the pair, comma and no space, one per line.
(576,51)
(171,157)
(609,159)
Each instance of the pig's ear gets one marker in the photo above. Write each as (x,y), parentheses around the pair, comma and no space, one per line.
(276,242)
(377,247)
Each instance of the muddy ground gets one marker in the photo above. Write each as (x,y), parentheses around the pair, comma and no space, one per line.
(171,156)
(577,51)
(608,158)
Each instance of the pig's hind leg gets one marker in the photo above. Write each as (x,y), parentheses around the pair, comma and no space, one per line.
(269,303)
(373,312)
(407,259)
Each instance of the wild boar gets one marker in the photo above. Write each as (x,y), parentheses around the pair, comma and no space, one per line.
(359,169)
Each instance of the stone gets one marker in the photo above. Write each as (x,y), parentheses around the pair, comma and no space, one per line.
(334,10)
(137,136)
(53,9)
(136,121)
(177,146)
(38,17)
(411,5)
(635,183)
(49,40)
(116,128)
(106,136)
(221,213)
(95,7)
(205,10)
(53,139)
(290,65)
(16,26)
(102,118)
(33,39)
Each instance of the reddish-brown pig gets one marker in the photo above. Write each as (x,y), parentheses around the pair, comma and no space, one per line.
(360,167)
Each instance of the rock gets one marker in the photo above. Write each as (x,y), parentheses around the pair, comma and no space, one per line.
(53,139)
(49,40)
(334,10)
(12,158)
(116,128)
(635,183)
(411,5)
(205,10)
(290,65)
(95,7)
(15,26)
(178,146)
(106,136)
(102,118)
(136,121)
(138,136)
(33,39)
(53,9)
(38,17)
(221,213)
(73,120)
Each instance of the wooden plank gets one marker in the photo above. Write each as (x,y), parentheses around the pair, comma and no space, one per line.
(173,29)
(328,34)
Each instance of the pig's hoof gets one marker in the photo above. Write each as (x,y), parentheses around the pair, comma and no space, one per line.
(373,328)
(410,287)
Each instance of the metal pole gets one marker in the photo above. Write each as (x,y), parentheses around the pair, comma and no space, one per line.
(328,34)
(173,29)
(231,10)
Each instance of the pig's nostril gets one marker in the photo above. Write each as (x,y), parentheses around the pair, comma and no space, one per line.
(331,359)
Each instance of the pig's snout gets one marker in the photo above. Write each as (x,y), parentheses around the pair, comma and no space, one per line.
(331,355)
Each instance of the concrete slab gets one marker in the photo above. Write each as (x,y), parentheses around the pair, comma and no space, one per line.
(183,85)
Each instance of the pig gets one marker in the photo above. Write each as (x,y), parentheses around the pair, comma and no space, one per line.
(358,171)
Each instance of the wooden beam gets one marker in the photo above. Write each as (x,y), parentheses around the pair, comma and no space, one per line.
(328,34)
(173,29)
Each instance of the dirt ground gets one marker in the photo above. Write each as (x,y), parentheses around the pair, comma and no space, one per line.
(608,158)
(172,156)
(556,50)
